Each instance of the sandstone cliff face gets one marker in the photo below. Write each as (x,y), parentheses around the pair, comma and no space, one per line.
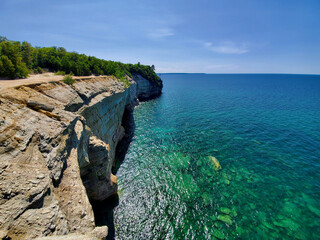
(145,89)
(57,148)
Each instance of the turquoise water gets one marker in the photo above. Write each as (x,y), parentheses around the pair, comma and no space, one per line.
(265,132)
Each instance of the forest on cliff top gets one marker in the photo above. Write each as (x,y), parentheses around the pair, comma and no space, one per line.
(18,59)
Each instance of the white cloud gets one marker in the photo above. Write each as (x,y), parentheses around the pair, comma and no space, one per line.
(227,47)
(161,33)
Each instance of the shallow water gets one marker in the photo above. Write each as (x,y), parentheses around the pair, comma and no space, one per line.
(264,130)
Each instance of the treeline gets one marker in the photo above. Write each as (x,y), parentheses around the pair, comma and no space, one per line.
(18,59)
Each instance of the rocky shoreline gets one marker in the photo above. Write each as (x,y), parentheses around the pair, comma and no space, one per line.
(58,145)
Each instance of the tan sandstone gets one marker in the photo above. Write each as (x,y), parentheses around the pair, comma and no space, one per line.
(57,148)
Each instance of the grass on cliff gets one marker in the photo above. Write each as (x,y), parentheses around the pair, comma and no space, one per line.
(18,59)
(125,81)
(68,79)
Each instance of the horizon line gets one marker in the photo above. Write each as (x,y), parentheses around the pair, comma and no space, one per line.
(238,73)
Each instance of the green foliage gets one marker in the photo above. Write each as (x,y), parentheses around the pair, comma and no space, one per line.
(125,81)
(146,72)
(26,53)
(16,59)
(38,70)
(68,80)
(21,70)
(60,73)
(2,39)
(6,67)
(11,64)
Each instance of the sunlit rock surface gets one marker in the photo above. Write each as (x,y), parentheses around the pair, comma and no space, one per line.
(57,147)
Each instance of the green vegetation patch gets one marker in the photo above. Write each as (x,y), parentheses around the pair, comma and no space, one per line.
(68,80)
(60,73)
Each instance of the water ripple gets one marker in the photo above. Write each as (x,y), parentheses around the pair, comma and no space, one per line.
(264,129)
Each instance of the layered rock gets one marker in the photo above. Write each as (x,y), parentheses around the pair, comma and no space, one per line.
(146,89)
(57,148)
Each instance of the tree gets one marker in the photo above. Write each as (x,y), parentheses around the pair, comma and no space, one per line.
(26,54)
(12,65)
(6,67)
(21,70)
(17,58)
(61,50)
(97,70)
(3,39)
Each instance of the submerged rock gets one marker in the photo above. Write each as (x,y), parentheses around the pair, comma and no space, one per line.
(213,218)
(311,204)
(287,223)
(215,163)
(238,138)
(225,218)
(268,225)
(225,178)
(225,210)
(234,212)
(240,231)
(218,234)
(207,199)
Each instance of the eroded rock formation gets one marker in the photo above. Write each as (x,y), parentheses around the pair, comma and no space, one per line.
(57,146)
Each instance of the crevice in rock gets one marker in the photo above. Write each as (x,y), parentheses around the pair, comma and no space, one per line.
(103,213)
(122,147)
(83,98)
(56,183)
(62,156)
(40,202)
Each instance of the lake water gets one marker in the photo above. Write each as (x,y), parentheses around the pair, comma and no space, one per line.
(265,132)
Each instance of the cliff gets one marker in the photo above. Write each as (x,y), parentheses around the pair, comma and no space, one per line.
(58,145)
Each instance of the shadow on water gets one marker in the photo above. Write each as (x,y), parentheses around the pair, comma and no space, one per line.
(129,125)
(103,213)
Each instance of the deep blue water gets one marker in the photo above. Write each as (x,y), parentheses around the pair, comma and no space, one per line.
(265,132)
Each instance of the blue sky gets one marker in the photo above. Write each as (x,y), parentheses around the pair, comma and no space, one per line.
(217,36)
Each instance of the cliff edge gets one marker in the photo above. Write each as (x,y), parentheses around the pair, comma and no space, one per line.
(58,145)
